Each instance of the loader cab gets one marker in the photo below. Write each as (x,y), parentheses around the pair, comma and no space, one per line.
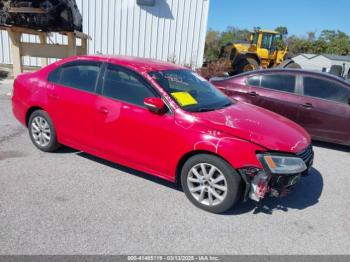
(264,40)
(270,46)
(270,41)
(254,38)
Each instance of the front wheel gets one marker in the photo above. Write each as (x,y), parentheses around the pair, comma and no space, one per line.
(210,183)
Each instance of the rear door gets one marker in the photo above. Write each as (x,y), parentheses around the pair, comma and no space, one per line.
(276,92)
(71,95)
(325,110)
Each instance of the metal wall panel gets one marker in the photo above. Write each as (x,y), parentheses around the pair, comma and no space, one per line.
(171,30)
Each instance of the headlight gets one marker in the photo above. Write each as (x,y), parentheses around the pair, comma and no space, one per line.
(283,164)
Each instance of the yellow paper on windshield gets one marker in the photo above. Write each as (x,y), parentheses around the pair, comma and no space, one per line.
(184,98)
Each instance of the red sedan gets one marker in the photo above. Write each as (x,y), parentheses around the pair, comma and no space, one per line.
(318,102)
(164,120)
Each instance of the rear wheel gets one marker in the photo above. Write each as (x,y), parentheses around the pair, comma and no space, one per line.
(42,131)
(247,64)
(210,183)
(288,63)
(293,65)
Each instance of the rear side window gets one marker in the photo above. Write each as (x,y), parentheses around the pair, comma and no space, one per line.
(80,75)
(254,81)
(285,83)
(325,89)
(55,75)
(125,85)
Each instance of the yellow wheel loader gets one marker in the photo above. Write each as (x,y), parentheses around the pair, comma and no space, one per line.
(265,49)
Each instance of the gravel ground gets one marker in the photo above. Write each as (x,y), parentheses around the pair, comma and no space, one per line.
(73,203)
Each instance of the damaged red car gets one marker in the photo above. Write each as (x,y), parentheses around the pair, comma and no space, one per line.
(166,121)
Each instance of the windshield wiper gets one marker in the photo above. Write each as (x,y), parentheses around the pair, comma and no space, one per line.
(204,109)
(225,105)
(207,109)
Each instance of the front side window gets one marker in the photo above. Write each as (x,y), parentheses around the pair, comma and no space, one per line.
(325,89)
(255,38)
(267,40)
(190,91)
(125,85)
(81,75)
(285,83)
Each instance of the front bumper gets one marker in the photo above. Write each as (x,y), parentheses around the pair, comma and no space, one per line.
(261,182)
(308,156)
(281,185)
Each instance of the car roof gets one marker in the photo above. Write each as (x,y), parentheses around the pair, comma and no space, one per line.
(136,63)
(286,70)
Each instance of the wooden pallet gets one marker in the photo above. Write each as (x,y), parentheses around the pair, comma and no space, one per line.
(43,49)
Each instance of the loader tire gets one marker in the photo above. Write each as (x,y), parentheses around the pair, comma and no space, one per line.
(247,64)
(293,65)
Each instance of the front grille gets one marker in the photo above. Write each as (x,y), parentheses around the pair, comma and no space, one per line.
(307,154)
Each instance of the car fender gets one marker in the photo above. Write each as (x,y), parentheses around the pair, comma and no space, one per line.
(237,152)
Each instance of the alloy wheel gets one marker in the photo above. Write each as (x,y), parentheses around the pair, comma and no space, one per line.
(207,184)
(41,132)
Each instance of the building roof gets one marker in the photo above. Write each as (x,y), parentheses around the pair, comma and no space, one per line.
(337,57)
(308,56)
(328,56)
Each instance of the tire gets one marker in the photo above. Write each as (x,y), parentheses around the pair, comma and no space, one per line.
(200,190)
(42,131)
(247,64)
(293,65)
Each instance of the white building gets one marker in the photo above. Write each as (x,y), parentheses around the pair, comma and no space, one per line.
(171,30)
(322,62)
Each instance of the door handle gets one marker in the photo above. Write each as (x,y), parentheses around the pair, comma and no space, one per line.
(103,110)
(307,105)
(54,96)
(253,93)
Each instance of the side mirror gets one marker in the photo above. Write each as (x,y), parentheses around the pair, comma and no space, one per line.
(155,105)
(349,101)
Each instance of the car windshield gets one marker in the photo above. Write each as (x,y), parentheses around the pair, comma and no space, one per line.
(190,91)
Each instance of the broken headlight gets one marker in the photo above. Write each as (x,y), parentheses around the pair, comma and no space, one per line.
(284,165)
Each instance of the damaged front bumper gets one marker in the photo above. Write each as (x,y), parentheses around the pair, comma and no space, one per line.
(262,182)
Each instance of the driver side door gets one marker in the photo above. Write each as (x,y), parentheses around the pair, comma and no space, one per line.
(126,130)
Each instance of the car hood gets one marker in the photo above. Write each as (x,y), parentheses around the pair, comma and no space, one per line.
(258,125)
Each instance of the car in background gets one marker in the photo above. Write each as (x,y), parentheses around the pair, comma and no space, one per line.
(164,120)
(319,102)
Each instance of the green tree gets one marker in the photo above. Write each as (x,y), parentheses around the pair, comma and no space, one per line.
(297,45)
(319,47)
(226,37)
(283,30)
(211,50)
(339,46)
(239,35)
(328,35)
(311,36)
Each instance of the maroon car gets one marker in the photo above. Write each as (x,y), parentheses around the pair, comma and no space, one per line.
(317,101)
